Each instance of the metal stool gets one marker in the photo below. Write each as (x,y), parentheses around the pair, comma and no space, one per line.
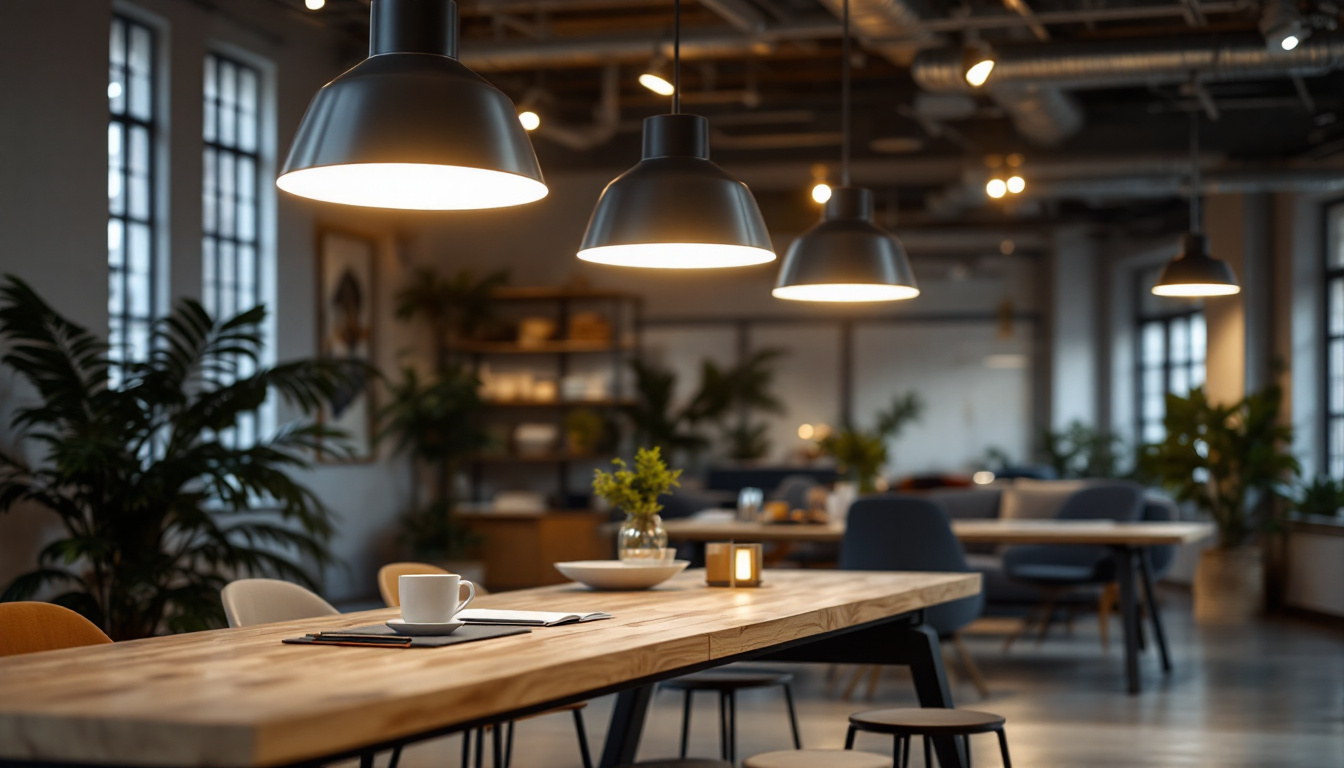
(928,722)
(812,758)
(728,682)
(502,740)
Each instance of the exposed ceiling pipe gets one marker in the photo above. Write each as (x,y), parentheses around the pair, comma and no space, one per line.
(893,29)
(1113,63)
(606,118)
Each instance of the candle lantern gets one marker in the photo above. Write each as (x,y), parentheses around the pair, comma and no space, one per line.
(732,565)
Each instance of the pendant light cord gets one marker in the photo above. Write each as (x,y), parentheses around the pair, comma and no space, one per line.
(844,101)
(1195,218)
(676,56)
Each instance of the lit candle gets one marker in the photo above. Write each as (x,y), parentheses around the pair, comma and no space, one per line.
(732,565)
(742,570)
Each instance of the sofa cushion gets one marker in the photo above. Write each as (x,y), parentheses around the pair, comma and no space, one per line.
(1037,499)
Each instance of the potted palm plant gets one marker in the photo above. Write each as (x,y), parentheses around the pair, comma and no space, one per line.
(159,507)
(1230,461)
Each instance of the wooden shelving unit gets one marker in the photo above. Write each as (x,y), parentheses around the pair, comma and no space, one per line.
(555,358)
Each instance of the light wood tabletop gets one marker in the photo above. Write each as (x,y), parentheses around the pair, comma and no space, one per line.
(1103,532)
(239,698)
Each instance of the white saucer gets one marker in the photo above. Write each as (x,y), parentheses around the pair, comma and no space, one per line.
(424,630)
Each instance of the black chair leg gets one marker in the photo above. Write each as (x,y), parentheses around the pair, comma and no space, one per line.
(849,737)
(581,732)
(793,716)
(508,746)
(395,758)
(732,727)
(723,726)
(967,740)
(366,760)
(905,759)
(497,741)
(928,752)
(466,749)
(1003,749)
(480,748)
(685,723)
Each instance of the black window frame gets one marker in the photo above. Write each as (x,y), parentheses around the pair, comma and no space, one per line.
(1329,276)
(125,318)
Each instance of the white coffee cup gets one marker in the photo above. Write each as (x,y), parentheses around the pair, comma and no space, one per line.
(433,598)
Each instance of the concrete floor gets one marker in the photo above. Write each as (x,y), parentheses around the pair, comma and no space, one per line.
(1267,695)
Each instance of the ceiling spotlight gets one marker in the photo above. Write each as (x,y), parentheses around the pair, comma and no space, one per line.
(655,77)
(821,192)
(1282,26)
(996,188)
(1016,184)
(315,5)
(530,120)
(977,61)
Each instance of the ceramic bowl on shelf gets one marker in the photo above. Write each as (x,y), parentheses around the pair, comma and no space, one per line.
(618,575)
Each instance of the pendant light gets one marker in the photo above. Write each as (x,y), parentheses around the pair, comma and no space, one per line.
(411,127)
(1194,272)
(675,209)
(846,257)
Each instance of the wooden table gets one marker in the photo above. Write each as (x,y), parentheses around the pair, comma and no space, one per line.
(238,698)
(1129,542)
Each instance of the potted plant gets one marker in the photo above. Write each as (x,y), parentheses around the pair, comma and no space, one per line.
(636,493)
(436,422)
(1231,461)
(861,454)
(1321,498)
(159,507)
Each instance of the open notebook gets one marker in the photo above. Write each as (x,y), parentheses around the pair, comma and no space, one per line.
(526,618)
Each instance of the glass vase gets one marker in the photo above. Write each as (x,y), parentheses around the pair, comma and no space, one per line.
(641,537)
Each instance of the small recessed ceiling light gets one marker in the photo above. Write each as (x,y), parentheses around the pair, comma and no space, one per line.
(821,192)
(530,120)
(656,83)
(315,5)
(1016,184)
(996,188)
(978,73)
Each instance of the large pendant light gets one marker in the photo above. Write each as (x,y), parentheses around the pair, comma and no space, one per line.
(1194,272)
(846,257)
(675,209)
(412,127)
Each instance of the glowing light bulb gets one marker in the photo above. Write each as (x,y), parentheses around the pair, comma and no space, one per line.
(821,192)
(656,83)
(983,477)
(996,188)
(805,431)
(1016,184)
(978,73)
(530,120)
(742,564)
(315,5)
(1290,42)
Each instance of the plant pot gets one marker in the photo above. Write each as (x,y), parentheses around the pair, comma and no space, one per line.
(1229,585)
(641,537)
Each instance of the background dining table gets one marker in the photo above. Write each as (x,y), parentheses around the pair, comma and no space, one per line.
(240,698)
(1128,540)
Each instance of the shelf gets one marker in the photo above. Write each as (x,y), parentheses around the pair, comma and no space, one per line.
(605,403)
(544,348)
(538,458)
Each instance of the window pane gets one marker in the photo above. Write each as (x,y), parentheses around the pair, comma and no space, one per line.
(115,256)
(1152,349)
(137,246)
(1199,342)
(1179,334)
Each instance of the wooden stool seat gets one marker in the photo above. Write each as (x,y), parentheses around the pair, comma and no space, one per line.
(929,720)
(686,762)
(729,680)
(816,758)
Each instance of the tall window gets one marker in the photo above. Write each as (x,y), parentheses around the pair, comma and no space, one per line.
(1334,341)
(1171,345)
(132,221)
(231,250)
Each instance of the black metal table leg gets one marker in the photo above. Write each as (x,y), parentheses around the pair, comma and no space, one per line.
(1129,614)
(919,645)
(793,716)
(627,723)
(579,730)
(1146,571)
(685,722)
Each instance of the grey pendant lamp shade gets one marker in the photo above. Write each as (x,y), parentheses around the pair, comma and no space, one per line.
(411,127)
(675,209)
(1194,272)
(846,257)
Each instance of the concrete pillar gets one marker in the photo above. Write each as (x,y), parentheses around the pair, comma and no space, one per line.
(1075,327)
(1240,232)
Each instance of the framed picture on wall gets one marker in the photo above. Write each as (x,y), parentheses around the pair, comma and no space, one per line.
(345,326)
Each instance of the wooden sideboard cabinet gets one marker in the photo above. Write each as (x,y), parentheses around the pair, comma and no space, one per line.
(518,549)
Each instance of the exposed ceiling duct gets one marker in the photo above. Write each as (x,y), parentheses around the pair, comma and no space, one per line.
(1114,63)
(606,118)
(1041,114)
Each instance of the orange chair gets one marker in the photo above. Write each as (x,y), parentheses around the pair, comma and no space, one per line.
(388,577)
(32,627)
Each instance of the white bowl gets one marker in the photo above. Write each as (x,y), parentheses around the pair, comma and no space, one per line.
(614,574)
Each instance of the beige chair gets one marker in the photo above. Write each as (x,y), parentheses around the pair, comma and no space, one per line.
(388,577)
(27,627)
(248,602)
